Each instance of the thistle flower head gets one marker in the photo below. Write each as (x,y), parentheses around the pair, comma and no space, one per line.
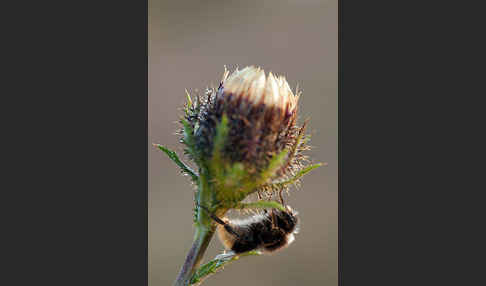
(244,133)
(261,112)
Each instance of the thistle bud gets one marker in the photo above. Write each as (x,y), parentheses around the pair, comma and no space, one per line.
(261,112)
(245,131)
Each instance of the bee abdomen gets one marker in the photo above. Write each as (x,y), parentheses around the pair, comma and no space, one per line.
(267,233)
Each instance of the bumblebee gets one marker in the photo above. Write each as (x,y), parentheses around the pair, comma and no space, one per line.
(267,232)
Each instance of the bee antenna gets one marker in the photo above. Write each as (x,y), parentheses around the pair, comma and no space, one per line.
(215,218)
(203,207)
(219,221)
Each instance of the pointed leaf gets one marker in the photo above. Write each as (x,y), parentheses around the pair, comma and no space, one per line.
(214,266)
(280,185)
(173,156)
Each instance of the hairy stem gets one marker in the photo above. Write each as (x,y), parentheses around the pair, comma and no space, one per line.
(202,238)
(204,232)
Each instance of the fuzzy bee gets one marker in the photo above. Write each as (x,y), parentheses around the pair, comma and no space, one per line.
(267,232)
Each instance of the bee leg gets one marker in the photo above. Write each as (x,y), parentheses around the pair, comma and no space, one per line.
(273,216)
(281,197)
(260,198)
(274,219)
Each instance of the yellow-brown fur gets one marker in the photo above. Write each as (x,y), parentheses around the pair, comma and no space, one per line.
(226,238)
(266,232)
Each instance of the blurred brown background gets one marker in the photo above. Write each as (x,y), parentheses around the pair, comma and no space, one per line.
(189,43)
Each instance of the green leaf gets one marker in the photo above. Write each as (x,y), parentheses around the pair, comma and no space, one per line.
(189,139)
(252,185)
(280,185)
(173,156)
(189,102)
(216,265)
(275,163)
(220,137)
(217,165)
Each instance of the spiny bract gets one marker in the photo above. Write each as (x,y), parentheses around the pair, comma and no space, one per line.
(262,121)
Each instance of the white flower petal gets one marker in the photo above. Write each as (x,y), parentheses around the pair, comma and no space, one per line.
(252,84)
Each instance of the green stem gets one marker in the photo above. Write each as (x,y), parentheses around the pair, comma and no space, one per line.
(201,242)
(204,232)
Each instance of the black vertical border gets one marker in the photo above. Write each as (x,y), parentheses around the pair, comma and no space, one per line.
(79,144)
(406,127)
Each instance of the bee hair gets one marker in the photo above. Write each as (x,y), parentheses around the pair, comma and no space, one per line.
(267,232)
